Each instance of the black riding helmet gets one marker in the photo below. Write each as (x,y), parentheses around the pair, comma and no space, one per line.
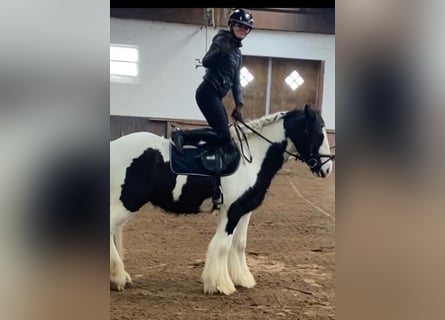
(242,16)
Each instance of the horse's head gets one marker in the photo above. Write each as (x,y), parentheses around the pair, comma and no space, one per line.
(306,130)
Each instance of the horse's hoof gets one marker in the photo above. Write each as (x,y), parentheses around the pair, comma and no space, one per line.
(227,290)
(246,282)
(128,278)
(119,283)
(250,283)
(117,287)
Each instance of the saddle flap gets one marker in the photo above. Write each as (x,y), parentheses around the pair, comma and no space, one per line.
(202,152)
(219,161)
(204,160)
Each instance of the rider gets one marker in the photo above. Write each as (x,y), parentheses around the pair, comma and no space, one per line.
(223,63)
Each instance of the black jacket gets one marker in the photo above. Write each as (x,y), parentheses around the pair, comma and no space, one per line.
(223,63)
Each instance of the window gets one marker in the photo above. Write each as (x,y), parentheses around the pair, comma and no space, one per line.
(245,76)
(124,63)
(294,80)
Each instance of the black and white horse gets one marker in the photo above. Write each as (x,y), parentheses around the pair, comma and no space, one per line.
(140,173)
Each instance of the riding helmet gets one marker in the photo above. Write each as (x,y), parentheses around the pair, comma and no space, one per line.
(242,16)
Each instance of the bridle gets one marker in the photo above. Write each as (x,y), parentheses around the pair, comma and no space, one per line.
(310,160)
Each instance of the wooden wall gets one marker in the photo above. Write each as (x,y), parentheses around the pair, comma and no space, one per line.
(314,20)
(282,97)
(122,125)
(255,92)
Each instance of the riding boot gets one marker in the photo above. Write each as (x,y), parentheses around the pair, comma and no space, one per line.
(204,134)
(230,153)
(184,137)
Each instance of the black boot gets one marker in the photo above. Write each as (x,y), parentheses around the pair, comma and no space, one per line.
(183,137)
(230,153)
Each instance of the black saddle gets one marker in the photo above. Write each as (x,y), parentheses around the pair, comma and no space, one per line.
(203,154)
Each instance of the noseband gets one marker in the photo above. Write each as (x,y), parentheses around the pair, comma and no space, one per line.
(311,160)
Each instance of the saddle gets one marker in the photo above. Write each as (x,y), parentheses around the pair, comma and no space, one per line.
(202,154)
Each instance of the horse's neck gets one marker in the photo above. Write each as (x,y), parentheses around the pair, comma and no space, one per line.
(274,132)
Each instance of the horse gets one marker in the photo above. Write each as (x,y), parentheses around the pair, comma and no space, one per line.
(140,173)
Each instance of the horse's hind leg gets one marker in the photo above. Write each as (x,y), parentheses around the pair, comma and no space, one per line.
(216,276)
(238,269)
(118,276)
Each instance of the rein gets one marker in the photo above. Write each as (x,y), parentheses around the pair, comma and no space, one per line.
(310,160)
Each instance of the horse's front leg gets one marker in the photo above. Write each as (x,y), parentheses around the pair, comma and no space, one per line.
(216,277)
(238,269)
(118,276)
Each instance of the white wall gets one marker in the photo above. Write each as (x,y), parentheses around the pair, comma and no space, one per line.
(168,77)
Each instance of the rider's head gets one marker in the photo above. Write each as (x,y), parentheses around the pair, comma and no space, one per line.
(240,23)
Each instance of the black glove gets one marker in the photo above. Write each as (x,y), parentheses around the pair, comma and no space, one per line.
(237,114)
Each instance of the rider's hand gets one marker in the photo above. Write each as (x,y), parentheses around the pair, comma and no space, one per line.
(237,113)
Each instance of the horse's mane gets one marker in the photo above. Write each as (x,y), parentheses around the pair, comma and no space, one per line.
(259,123)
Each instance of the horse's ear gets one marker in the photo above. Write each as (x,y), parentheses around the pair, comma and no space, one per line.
(309,112)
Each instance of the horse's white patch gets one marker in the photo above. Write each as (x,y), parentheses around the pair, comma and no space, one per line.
(206,205)
(215,276)
(326,150)
(180,181)
(238,269)
(257,124)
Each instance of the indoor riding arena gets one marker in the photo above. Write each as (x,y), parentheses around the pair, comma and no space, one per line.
(290,251)
(291,236)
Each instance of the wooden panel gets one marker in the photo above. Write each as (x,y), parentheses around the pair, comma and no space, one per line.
(331,138)
(319,95)
(314,20)
(297,22)
(176,15)
(255,92)
(282,96)
(122,125)
(173,124)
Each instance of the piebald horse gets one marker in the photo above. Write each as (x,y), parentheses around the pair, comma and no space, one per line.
(140,173)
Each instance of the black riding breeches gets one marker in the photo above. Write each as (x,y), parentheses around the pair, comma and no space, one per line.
(213,110)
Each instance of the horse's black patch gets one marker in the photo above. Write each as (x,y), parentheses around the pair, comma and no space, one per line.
(194,192)
(305,129)
(140,180)
(254,196)
(149,179)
